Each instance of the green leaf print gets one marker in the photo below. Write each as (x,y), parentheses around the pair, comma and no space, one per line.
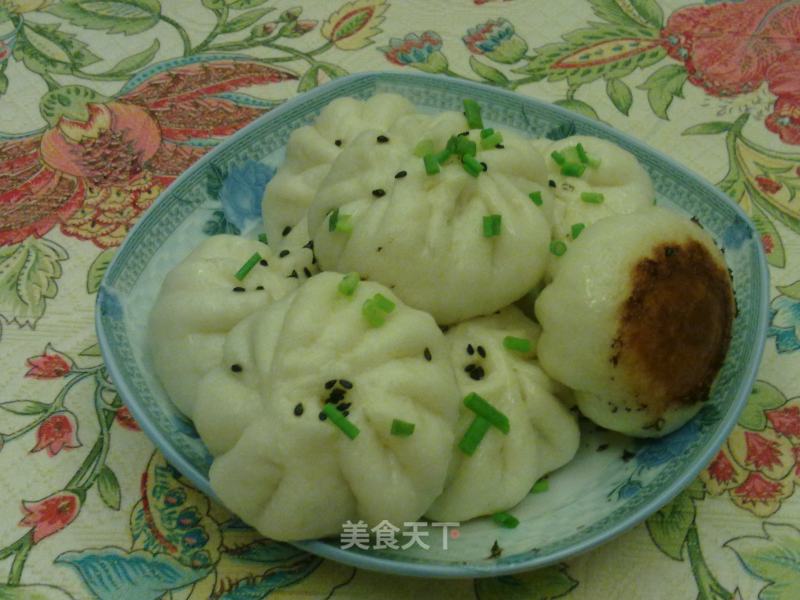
(43,48)
(112,16)
(662,86)
(542,584)
(774,558)
(763,397)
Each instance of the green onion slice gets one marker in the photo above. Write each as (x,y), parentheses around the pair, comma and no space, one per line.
(486,132)
(374,315)
(344,224)
(349,283)
(465,147)
(558,158)
(431,164)
(592,197)
(483,409)
(332,220)
(474,435)
(383,303)
(471,165)
(573,169)
(262,237)
(558,247)
(505,519)
(472,111)
(424,147)
(402,428)
(337,418)
(540,486)
(491,225)
(491,141)
(248,266)
(576,229)
(536,198)
(582,156)
(517,344)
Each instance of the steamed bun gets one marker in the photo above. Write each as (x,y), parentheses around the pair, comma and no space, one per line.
(293,475)
(638,321)
(543,434)
(200,301)
(624,183)
(422,235)
(312,149)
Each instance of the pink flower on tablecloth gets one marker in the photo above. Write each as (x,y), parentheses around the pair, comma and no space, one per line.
(730,49)
(58,431)
(102,161)
(125,419)
(50,515)
(49,365)
(768,243)
(768,186)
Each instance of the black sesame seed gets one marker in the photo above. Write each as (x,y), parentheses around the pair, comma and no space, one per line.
(348,385)
(470,349)
(481,352)
(313,260)
(338,143)
(283,253)
(470,367)
(286,231)
(627,455)
(322,416)
(337,395)
(293,274)
(379,193)
(444,328)
(298,409)
(400,174)
(670,251)
(306,272)
(464,133)
(263,262)
(602,447)
(614,408)
(551,183)
(309,244)
(382,139)
(379,248)
(344,405)
(477,373)
(236,368)
(485,166)
(500,147)
(427,354)
(330,384)
(259,287)
(345,413)
(238,289)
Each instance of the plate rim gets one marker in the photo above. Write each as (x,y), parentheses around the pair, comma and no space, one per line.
(440,570)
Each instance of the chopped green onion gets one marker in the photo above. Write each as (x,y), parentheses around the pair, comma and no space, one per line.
(505,520)
(536,197)
(248,266)
(452,143)
(558,247)
(342,422)
(517,344)
(343,224)
(592,161)
(558,158)
(262,237)
(442,156)
(483,409)
(491,141)
(573,169)
(383,303)
(582,156)
(472,111)
(491,225)
(332,220)
(402,428)
(540,486)
(349,283)
(471,165)
(374,315)
(474,435)
(486,132)
(465,147)
(424,147)
(592,197)
(431,164)
(576,229)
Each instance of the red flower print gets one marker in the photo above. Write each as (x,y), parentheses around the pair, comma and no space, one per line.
(768,243)
(50,365)
(758,488)
(126,420)
(785,119)
(102,161)
(786,420)
(50,515)
(58,431)
(761,452)
(767,185)
(721,469)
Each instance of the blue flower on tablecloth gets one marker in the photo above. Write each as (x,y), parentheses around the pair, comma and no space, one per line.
(242,191)
(784,323)
(497,40)
(421,51)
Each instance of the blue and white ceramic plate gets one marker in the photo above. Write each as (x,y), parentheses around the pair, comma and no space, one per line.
(612,484)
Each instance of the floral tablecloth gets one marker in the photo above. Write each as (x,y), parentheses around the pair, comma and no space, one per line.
(103,103)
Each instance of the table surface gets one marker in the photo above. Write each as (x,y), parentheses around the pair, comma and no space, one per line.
(103,104)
